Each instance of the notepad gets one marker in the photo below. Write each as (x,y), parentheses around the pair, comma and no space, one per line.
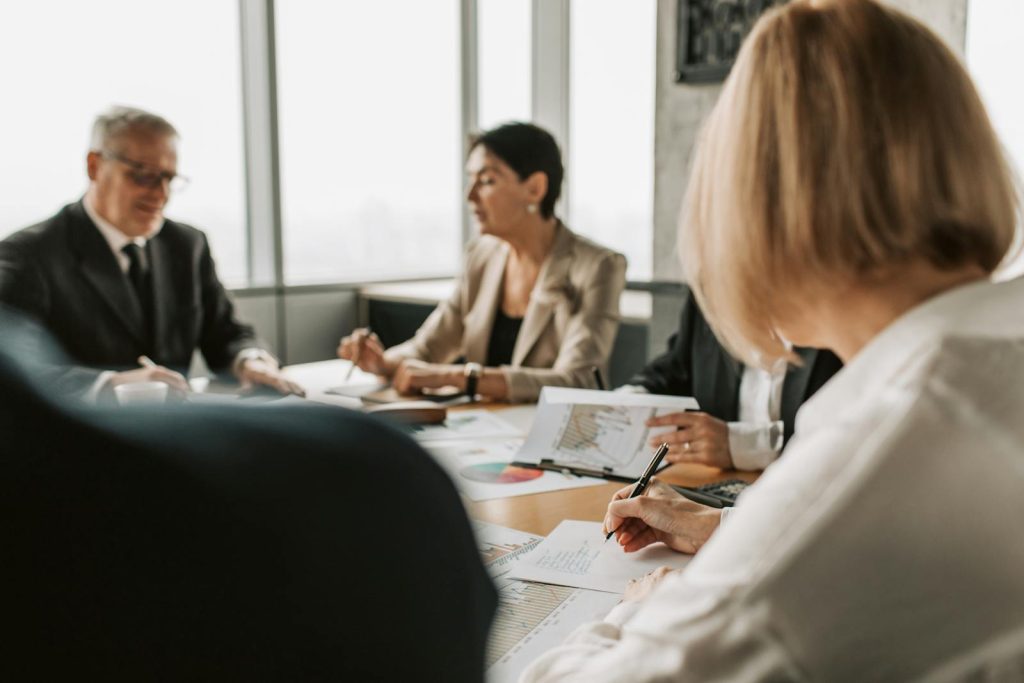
(576,555)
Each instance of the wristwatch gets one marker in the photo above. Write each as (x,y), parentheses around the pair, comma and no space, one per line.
(472,372)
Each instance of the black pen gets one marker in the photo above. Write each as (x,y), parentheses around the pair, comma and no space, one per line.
(597,378)
(645,479)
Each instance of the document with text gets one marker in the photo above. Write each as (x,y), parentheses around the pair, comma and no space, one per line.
(576,554)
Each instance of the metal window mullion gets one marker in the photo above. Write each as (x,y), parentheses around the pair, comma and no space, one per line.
(262,163)
(470,93)
(550,74)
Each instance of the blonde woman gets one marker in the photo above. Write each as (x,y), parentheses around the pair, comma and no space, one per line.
(536,304)
(849,163)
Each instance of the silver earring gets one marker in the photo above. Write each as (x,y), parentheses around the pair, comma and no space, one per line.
(531,208)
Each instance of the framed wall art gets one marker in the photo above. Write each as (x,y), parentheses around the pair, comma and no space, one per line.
(709,35)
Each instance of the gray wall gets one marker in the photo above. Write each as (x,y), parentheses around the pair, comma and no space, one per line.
(305,325)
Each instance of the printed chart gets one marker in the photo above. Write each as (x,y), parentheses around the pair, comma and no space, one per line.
(481,470)
(602,435)
(499,473)
(531,618)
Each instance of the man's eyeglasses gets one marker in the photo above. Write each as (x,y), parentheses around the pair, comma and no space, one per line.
(146,176)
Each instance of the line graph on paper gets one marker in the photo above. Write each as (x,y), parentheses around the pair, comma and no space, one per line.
(602,435)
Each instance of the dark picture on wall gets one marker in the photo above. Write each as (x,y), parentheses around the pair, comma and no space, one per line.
(709,36)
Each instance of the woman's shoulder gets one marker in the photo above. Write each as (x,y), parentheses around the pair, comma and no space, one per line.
(587,253)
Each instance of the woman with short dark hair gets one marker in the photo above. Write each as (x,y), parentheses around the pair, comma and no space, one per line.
(536,304)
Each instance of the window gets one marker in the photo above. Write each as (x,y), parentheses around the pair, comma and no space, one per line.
(994,55)
(610,170)
(371,174)
(68,60)
(504,61)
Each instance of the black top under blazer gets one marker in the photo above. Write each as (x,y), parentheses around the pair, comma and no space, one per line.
(695,364)
(62,273)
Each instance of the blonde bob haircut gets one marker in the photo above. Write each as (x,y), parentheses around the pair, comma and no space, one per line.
(848,142)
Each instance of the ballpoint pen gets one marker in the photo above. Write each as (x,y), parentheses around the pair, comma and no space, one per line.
(355,357)
(645,479)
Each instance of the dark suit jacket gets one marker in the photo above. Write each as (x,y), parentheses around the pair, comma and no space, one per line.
(62,273)
(228,543)
(695,364)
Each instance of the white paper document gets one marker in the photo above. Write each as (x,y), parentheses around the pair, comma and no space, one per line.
(603,431)
(318,378)
(576,555)
(481,470)
(467,424)
(531,618)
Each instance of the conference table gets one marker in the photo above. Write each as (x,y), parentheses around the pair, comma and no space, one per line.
(538,513)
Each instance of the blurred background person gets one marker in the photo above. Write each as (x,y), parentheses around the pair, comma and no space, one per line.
(112,279)
(536,304)
(875,203)
(747,413)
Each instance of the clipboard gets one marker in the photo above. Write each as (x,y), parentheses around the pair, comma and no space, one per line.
(551,466)
(596,433)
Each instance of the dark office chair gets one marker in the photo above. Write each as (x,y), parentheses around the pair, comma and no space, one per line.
(225,543)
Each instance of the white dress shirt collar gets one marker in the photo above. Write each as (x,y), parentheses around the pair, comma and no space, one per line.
(114,237)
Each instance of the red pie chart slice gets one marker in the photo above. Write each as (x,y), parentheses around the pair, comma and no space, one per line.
(499,473)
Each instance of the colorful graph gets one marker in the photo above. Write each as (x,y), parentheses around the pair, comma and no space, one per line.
(499,473)
(600,434)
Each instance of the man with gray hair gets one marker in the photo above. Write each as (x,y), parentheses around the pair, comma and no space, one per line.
(115,281)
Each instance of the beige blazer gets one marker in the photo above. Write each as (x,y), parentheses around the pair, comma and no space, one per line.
(569,326)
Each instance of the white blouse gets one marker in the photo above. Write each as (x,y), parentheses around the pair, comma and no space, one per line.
(888,545)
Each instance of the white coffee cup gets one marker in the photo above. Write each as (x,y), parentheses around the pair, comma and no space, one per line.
(141,393)
(199,384)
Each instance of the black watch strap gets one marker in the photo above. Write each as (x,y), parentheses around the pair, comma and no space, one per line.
(472,371)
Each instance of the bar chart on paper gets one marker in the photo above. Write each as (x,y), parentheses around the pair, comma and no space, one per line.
(522,607)
(608,436)
(531,618)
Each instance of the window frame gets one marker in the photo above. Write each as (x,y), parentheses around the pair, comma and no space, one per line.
(264,227)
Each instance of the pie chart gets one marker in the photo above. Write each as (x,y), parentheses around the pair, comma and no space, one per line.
(499,473)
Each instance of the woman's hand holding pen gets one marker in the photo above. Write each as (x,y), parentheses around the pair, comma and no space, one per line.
(364,349)
(661,514)
(699,438)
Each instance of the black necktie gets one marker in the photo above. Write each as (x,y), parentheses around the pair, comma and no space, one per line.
(138,275)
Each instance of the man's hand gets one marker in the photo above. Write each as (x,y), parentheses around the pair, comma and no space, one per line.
(265,371)
(699,438)
(413,376)
(660,514)
(155,373)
